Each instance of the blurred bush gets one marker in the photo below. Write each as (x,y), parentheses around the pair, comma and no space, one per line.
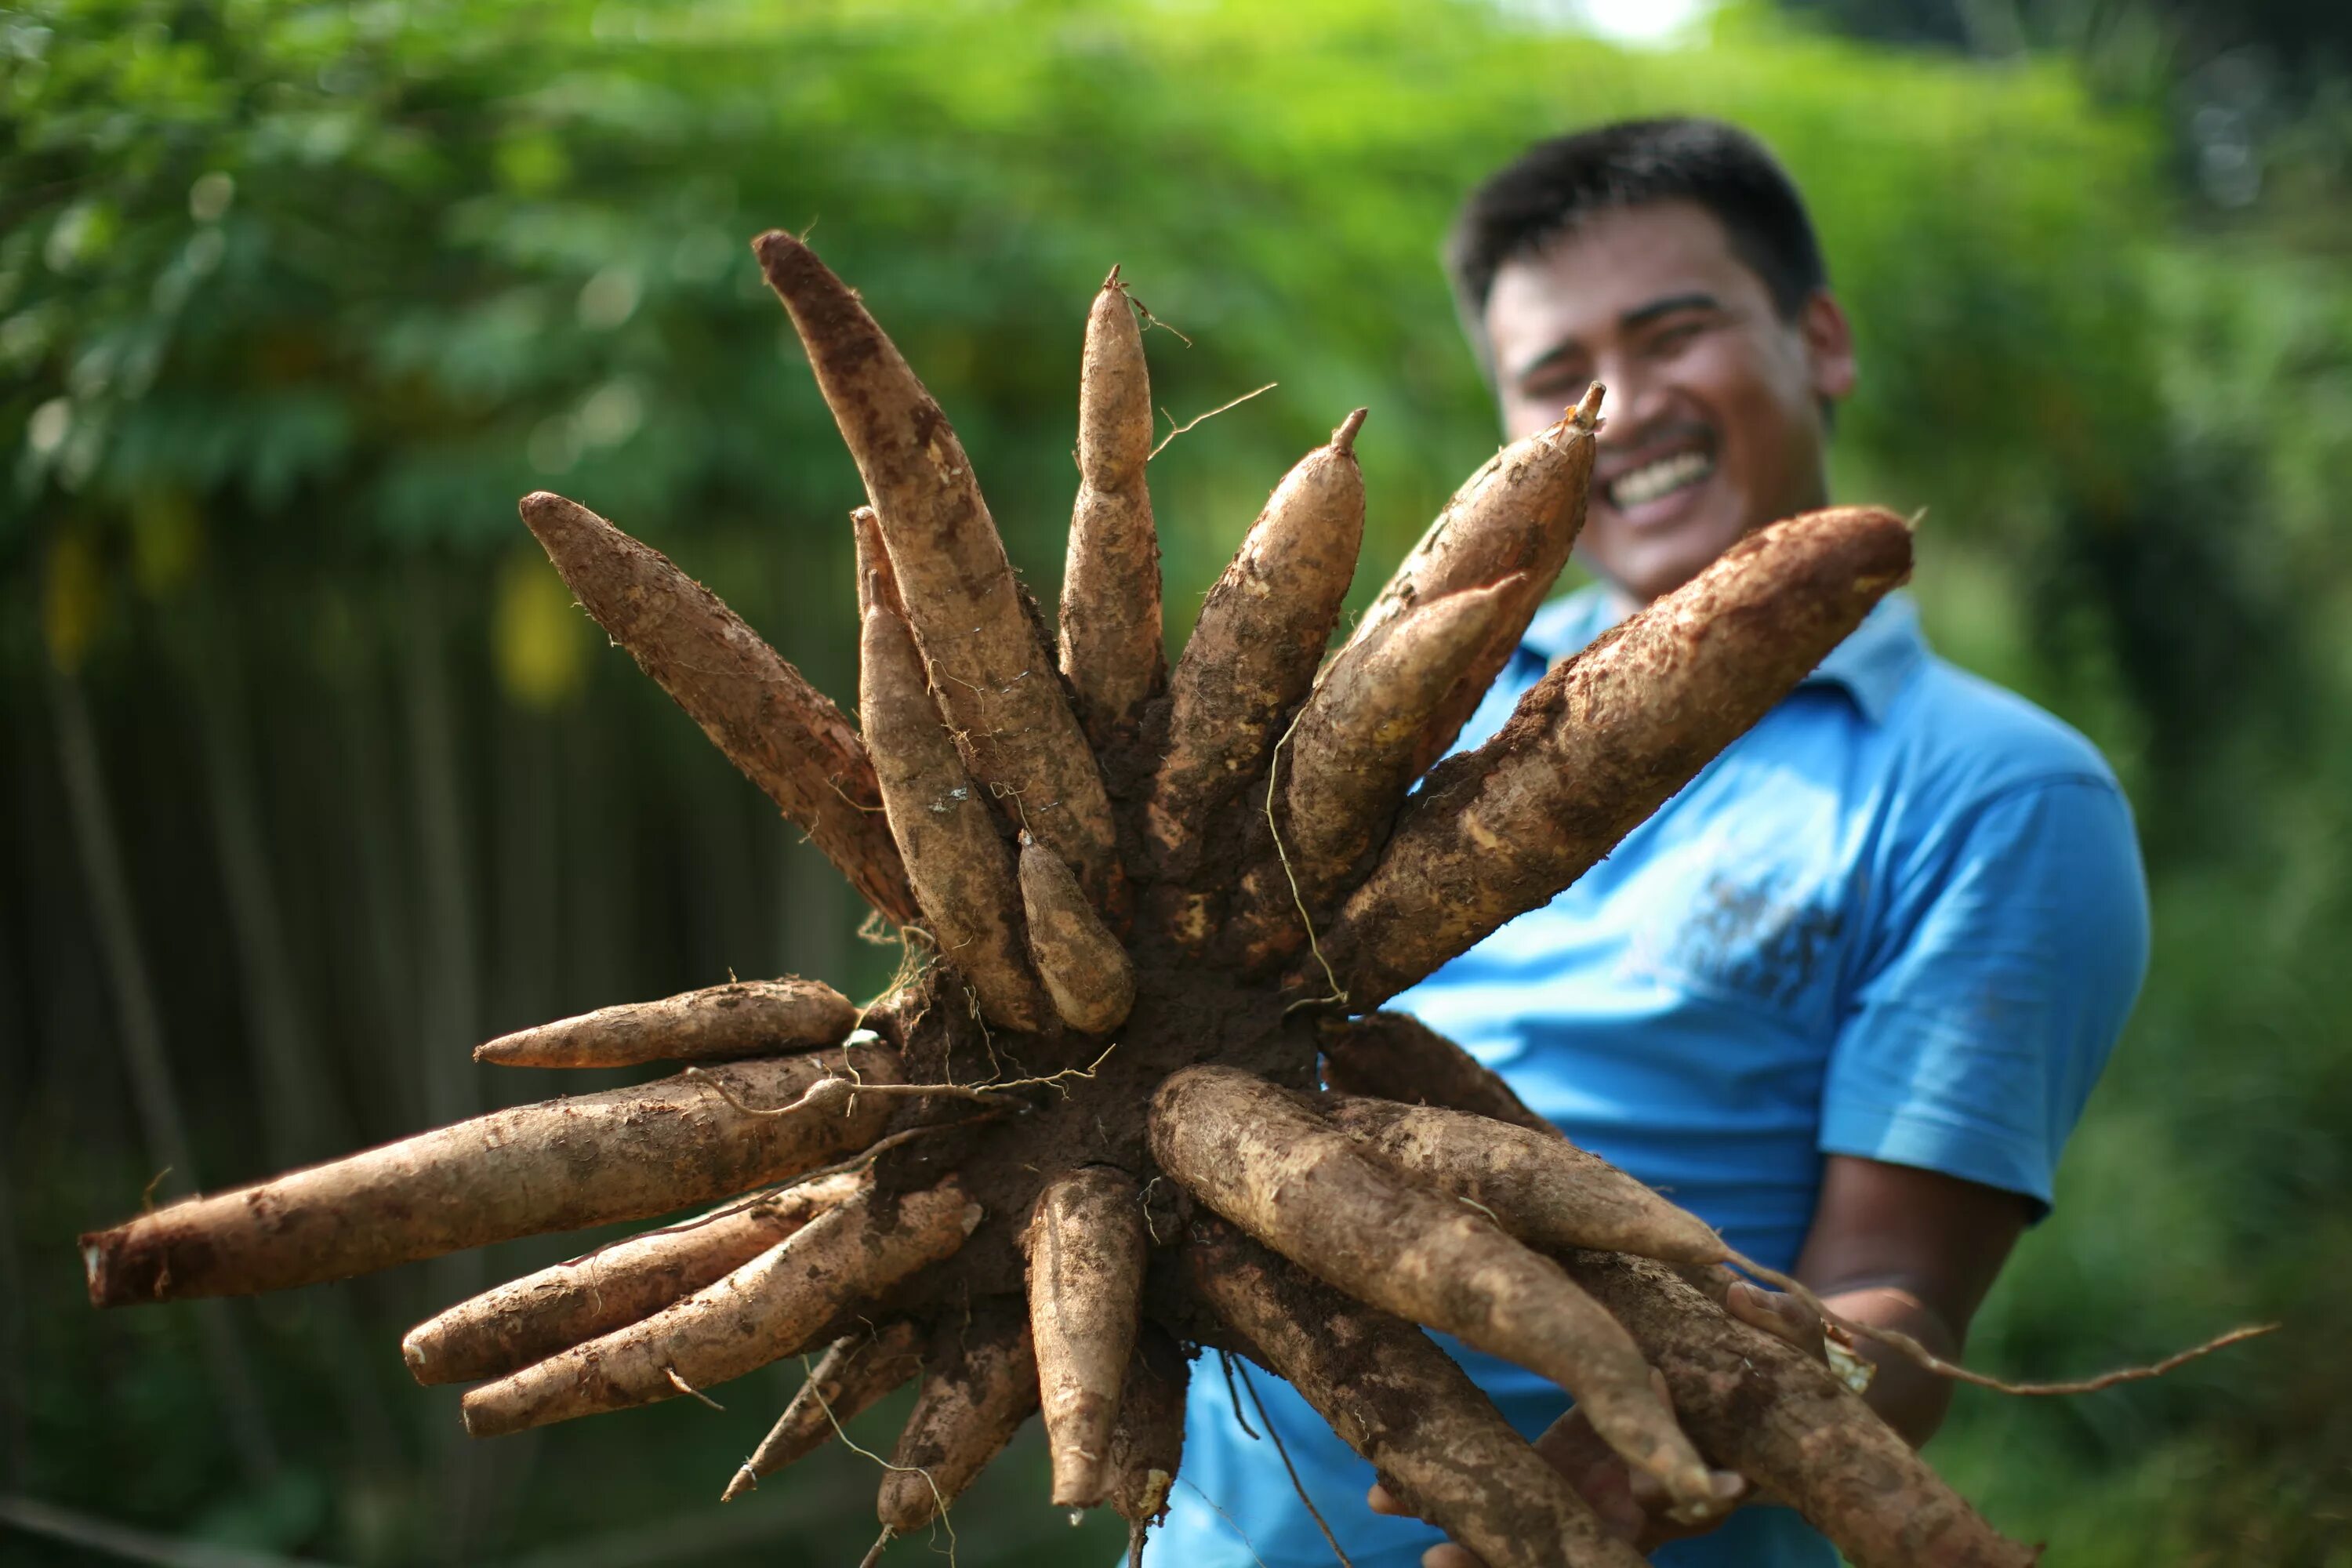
(315,779)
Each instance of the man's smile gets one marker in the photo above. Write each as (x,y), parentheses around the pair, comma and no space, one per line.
(1645,487)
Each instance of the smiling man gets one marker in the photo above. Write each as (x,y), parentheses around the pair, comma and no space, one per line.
(1846,994)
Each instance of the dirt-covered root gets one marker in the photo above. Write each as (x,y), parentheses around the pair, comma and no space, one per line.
(784,734)
(1086,1248)
(855,1373)
(529,1320)
(980,1384)
(1602,741)
(1538,1186)
(561,1164)
(955,854)
(1087,972)
(1518,516)
(1395,1055)
(1147,1443)
(772,1307)
(742,1019)
(1354,751)
(1111,649)
(1436,1440)
(1785,1422)
(1256,1155)
(995,681)
(1253,653)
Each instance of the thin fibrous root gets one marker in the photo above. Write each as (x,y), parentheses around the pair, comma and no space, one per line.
(1395,1055)
(996,683)
(1252,655)
(1518,516)
(1436,1440)
(1086,970)
(1911,1350)
(1147,1443)
(782,732)
(1260,1157)
(743,1018)
(561,1164)
(854,1374)
(1602,741)
(1784,1421)
(1350,758)
(956,858)
(769,1307)
(980,1384)
(530,1318)
(1111,649)
(1086,1247)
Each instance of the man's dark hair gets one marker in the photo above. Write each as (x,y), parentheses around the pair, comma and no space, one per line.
(1552,186)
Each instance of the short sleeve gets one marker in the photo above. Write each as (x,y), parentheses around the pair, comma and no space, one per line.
(2014,946)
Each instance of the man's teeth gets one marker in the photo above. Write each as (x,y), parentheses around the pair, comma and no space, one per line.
(1652,481)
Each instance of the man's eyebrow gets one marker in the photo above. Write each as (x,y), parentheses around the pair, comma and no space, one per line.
(1638,317)
(1642,315)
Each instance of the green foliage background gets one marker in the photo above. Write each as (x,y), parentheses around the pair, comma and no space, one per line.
(296,299)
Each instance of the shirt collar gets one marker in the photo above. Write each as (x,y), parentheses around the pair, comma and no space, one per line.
(1871,666)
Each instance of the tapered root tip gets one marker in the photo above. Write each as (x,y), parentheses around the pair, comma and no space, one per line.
(775,246)
(549,517)
(1111,281)
(1587,413)
(1343,440)
(742,1481)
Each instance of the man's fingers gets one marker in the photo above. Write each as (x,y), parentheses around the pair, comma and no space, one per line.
(1451,1556)
(1781,1316)
(1380,1501)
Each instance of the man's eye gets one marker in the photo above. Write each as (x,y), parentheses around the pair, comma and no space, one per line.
(1675,338)
(1552,383)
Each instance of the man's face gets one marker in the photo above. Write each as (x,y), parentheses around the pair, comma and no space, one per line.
(1713,422)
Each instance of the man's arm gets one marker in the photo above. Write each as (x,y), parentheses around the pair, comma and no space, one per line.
(1897,1247)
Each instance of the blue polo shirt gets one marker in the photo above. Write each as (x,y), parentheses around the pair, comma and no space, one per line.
(1903,917)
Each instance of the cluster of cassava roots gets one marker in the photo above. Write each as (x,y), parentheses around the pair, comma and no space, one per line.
(1130,1097)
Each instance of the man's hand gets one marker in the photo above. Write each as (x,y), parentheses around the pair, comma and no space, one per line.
(1628,1502)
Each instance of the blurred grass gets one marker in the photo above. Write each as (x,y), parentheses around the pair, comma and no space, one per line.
(295,299)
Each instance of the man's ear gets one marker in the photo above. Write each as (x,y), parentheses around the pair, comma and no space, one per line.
(1829,346)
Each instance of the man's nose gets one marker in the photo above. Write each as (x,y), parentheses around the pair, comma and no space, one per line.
(1624,399)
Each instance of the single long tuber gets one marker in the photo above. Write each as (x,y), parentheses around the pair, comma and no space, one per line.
(1111,651)
(783,733)
(741,1018)
(622,1154)
(1086,1246)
